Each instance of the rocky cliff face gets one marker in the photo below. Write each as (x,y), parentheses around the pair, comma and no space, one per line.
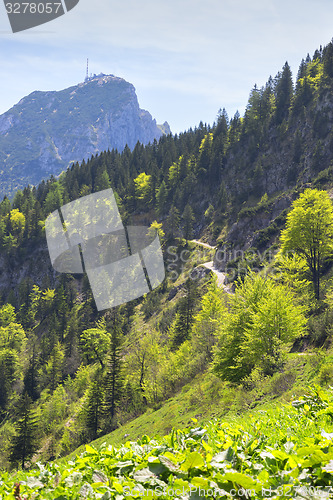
(47,131)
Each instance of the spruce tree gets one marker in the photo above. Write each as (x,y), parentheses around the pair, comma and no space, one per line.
(161,198)
(172,222)
(25,442)
(102,180)
(188,219)
(114,379)
(184,318)
(284,94)
(30,377)
(94,408)
(328,60)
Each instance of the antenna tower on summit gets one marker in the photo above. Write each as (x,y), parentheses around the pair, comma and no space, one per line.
(87,74)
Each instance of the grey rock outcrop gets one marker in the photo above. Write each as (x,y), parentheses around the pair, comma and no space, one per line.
(47,131)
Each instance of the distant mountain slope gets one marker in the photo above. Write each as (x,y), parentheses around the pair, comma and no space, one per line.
(47,131)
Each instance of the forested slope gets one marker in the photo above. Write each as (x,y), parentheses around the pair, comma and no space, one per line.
(80,373)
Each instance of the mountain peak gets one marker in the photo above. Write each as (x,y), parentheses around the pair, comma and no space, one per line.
(45,132)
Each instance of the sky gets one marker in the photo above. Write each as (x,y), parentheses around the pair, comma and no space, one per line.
(186,58)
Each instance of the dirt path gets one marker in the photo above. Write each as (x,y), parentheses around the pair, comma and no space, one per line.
(220,276)
(206,245)
(210,265)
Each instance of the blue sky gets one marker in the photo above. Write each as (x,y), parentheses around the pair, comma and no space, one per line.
(186,58)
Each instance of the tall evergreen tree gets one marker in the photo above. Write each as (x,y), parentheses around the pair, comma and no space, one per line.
(283,93)
(25,442)
(161,198)
(94,408)
(188,219)
(184,318)
(102,179)
(172,222)
(30,377)
(114,378)
(328,60)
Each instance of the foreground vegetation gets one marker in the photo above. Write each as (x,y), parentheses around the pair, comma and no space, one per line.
(283,452)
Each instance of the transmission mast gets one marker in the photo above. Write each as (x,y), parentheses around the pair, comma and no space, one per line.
(87,74)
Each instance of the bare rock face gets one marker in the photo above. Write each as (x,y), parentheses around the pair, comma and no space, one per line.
(48,131)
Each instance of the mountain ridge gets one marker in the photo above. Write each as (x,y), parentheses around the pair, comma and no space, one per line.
(47,131)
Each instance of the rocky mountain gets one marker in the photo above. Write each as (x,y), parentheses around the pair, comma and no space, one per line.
(47,131)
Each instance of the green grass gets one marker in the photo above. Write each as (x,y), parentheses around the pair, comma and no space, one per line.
(207,397)
(281,452)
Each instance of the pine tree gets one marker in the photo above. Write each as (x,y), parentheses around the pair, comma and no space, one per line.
(25,442)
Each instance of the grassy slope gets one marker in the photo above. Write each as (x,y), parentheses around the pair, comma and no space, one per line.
(278,452)
(206,397)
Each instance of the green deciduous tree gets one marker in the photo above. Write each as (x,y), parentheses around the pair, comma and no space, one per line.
(17,223)
(95,344)
(309,232)
(143,189)
(261,323)
(156,228)
(207,322)
(274,326)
